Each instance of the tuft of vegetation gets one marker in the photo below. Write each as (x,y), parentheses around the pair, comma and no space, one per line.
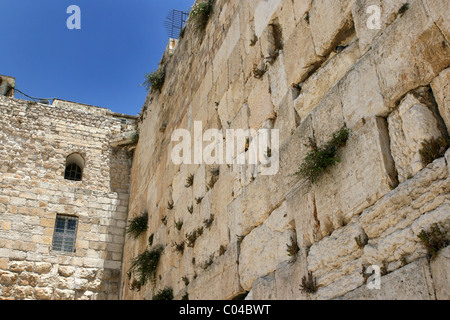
(185,296)
(319,159)
(433,149)
(144,266)
(253,41)
(293,248)
(179,247)
(309,284)
(361,241)
(164,294)
(258,73)
(190,209)
(208,262)
(198,200)
(222,250)
(164,220)
(135,137)
(201,12)
(185,279)
(138,225)
(434,240)
(189,181)
(154,81)
(179,224)
(403,9)
(208,222)
(150,239)
(170,205)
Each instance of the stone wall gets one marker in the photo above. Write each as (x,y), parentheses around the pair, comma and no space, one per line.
(35,140)
(307,68)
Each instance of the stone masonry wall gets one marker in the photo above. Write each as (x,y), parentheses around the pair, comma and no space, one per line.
(307,68)
(35,140)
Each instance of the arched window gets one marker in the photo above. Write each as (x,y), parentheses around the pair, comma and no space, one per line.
(74,167)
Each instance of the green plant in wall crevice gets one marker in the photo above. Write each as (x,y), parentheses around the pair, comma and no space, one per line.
(144,266)
(319,159)
(138,225)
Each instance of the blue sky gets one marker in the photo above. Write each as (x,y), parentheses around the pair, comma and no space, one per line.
(102,64)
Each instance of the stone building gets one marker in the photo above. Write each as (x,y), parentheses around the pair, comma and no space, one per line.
(307,68)
(64,181)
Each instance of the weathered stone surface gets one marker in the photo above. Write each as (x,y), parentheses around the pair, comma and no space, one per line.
(43,293)
(371,17)
(437,10)
(441,87)
(441,274)
(264,247)
(405,63)
(335,258)
(410,126)
(361,93)
(220,280)
(264,288)
(331,21)
(396,210)
(299,54)
(259,103)
(412,282)
(314,89)
(263,14)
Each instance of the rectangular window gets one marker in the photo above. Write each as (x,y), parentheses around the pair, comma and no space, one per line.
(65,233)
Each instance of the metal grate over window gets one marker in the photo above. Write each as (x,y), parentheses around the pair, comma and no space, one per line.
(65,233)
(73,172)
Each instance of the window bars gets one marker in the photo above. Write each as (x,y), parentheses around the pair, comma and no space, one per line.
(65,233)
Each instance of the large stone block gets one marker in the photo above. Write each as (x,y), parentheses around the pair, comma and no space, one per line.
(365,174)
(264,247)
(410,125)
(263,14)
(400,207)
(299,54)
(441,89)
(361,93)
(331,21)
(412,282)
(404,63)
(221,280)
(441,274)
(259,103)
(315,88)
(371,17)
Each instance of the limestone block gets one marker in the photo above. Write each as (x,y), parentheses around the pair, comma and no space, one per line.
(412,282)
(361,93)
(301,206)
(365,174)
(278,81)
(409,126)
(327,117)
(28,279)
(23,292)
(259,103)
(299,54)
(441,274)
(441,87)
(331,21)
(394,211)
(300,9)
(8,278)
(264,247)
(266,193)
(404,63)
(322,81)
(264,288)
(334,256)
(43,293)
(287,118)
(438,12)
(64,294)
(263,14)
(371,22)
(220,281)
(288,276)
